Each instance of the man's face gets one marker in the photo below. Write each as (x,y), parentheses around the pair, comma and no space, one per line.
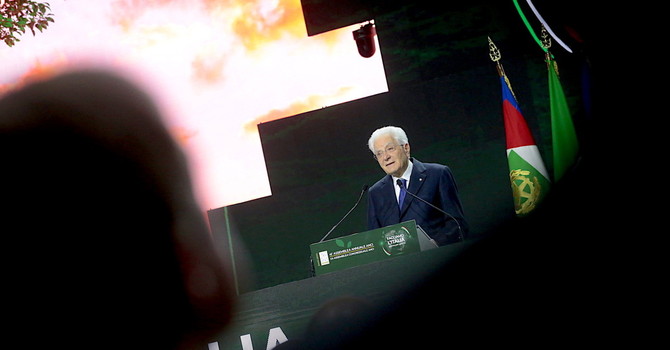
(392,157)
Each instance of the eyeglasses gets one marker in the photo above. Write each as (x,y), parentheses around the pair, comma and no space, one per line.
(389,149)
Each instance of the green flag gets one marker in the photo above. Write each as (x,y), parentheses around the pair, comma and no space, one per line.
(564,139)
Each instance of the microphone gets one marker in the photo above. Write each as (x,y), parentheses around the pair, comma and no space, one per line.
(460,232)
(311,261)
(365,188)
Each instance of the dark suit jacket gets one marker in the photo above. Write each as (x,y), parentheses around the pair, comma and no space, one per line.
(431,182)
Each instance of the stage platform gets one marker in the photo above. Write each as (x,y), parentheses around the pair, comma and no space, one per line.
(283,311)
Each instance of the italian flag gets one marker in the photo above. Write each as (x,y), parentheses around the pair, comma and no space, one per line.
(528,176)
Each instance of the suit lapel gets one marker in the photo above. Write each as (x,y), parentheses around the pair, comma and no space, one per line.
(390,202)
(416,180)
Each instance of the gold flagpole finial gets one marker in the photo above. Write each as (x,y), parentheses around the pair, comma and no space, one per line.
(494,53)
(546,38)
(546,44)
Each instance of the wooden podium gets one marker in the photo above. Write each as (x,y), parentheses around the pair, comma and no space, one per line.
(369,246)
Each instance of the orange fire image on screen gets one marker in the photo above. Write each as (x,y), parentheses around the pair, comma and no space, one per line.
(216,69)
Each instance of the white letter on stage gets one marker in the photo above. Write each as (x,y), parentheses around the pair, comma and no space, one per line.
(275,337)
(246,342)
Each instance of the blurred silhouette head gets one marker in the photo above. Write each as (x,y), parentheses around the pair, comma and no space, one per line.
(104,240)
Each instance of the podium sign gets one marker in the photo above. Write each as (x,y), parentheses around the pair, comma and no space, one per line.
(365,247)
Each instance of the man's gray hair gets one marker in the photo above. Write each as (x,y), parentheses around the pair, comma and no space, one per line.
(397,133)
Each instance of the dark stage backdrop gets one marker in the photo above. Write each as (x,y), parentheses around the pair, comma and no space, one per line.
(443,90)
(318,163)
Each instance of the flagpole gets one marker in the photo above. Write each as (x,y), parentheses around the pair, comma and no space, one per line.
(546,45)
(495,56)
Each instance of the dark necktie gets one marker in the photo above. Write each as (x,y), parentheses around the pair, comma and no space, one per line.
(403,192)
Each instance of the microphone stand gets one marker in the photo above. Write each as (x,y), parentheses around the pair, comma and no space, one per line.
(311,260)
(460,231)
(365,188)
